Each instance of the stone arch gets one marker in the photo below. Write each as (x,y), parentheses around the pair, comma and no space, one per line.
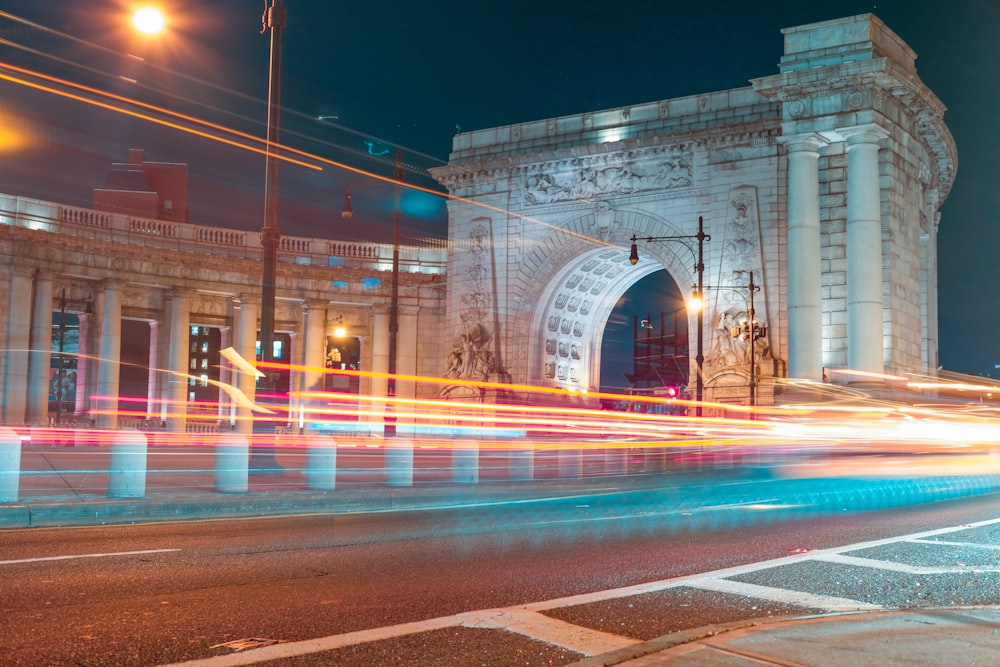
(581,283)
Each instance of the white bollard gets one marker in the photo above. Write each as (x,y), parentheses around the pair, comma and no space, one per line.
(232,463)
(465,462)
(522,463)
(398,461)
(570,463)
(615,460)
(321,463)
(10,465)
(127,470)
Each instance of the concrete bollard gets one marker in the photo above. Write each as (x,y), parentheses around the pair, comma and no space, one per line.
(570,463)
(10,465)
(232,463)
(398,462)
(522,463)
(615,460)
(127,470)
(465,462)
(321,463)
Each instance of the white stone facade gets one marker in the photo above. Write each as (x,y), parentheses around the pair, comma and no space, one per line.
(824,180)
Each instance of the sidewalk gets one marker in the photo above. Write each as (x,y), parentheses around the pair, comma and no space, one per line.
(939,636)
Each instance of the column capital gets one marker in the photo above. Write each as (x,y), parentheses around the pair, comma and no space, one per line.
(314,305)
(863,134)
(246,299)
(808,142)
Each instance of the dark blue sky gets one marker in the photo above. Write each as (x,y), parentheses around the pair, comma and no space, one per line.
(407,74)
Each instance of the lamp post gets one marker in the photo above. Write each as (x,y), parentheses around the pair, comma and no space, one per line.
(699,268)
(274,19)
(389,427)
(751,331)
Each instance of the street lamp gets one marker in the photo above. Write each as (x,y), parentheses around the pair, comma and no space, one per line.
(751,331)
(274,19)
(696,301)
(389,428)
(148,20)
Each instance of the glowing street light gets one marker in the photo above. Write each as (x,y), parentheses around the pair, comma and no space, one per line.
(148,20)
(695,301)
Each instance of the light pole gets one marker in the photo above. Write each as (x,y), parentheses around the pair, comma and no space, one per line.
(274,19)
(699,267)
(389,426)
(751,331)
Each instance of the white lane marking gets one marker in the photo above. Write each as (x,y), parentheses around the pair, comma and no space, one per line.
(291,649)
(552,630)
(893,566)
(784,596)
(101,555)
(969,545)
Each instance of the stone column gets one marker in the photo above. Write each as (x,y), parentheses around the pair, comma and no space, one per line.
(245,343)
(40,356)
(406,350)
(864,251)
(225,333)
(152,395)
(84,363)
(109,355)
(314,345)
(313,352)
(178,360)
(15,378)
(805,333)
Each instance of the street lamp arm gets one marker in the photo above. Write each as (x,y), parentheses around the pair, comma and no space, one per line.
(699,267)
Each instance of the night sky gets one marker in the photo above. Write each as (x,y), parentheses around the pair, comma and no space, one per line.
(408,75)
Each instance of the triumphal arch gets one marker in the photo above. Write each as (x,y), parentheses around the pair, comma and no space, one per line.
(823,180)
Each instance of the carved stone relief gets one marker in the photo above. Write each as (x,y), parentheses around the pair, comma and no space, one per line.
(672,170)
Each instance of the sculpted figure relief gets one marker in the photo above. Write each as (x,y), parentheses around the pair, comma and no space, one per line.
(673,171)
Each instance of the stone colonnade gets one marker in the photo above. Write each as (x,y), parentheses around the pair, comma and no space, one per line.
(28,360)
(864,254)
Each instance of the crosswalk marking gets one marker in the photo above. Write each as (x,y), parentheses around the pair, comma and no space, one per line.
(784,596)
(893,566)
(527,620)
(553,631)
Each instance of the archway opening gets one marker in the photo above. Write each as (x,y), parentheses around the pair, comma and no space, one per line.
(645,341)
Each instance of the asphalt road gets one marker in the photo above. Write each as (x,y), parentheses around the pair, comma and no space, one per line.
(164,593)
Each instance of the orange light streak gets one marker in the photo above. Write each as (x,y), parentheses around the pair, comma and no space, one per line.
(142,116)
